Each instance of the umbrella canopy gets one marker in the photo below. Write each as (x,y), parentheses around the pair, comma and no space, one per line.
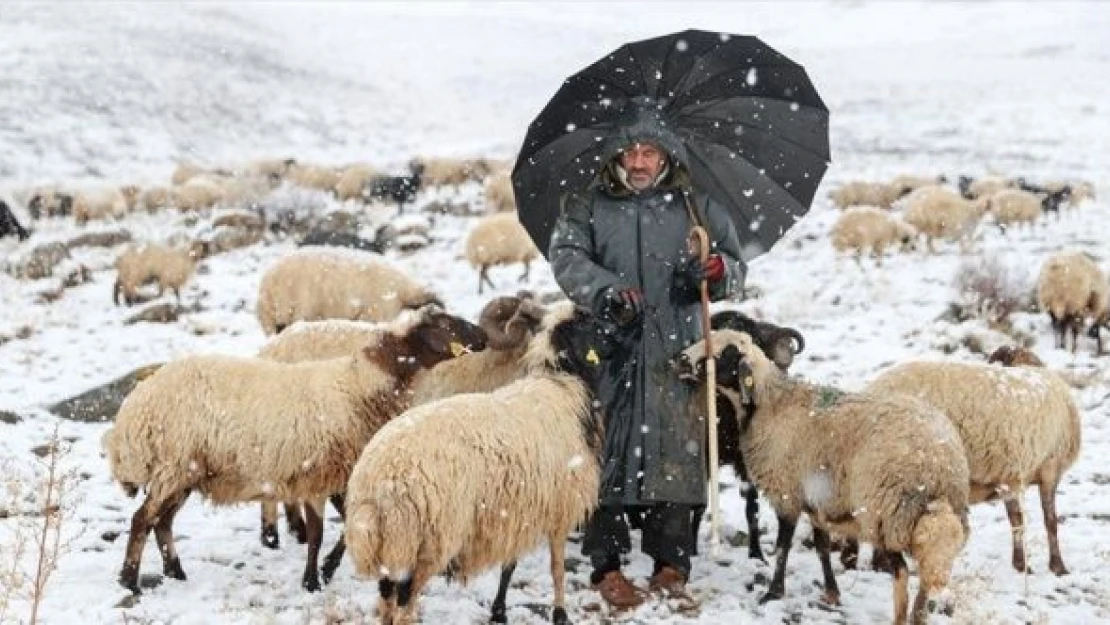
(744,120)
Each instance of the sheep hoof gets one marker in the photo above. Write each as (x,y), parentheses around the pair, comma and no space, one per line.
(770,595)
(497,615)
(311,582)
(327,571)
(1058,568)
(299,532)
(1021,567)
(831,598)
(129,578)
(270,539)
(173,569)
(755,553)
(559,616)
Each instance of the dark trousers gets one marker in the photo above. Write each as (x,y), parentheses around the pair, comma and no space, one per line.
(668,536)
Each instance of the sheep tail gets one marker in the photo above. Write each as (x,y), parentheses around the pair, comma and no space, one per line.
(938,538)
(110,445)
(384,538)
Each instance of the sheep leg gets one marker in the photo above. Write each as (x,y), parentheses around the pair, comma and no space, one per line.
(497,611)
(782,546)
(751,512)
(295,521)
(527,271)
(901,575)
(163,535)
(335,556)
(407,593)
(1017,528)
(821,542)
(483,276)
(558,547)
(270,538)
(314,523)
(142,522)
(387,600)
(849,554)
(1047,490)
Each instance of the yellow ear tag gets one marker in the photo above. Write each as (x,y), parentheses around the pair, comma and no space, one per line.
(457,349)
(749,382)
(592,358)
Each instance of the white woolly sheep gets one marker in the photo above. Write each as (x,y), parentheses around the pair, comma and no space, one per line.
(1019,426)
(862,228)
(353,182)
(313,177)
(246,429)
(476,480)
(200,193)
(883,469)
(315,283)
(906,183)
(184,172)
(243,191)
(499,239)
(508,322)
(104,204)
(937,212)
(444,172)
(499,193)
(170,267)
(49,202)
(989,185)
(274,169)
(858,193)
(154,199)
(1072,288)
(1014,206)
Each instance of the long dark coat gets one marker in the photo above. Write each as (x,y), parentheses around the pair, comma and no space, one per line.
(611,238)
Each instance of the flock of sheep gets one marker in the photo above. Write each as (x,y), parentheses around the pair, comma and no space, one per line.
(1071,287)
(370,395)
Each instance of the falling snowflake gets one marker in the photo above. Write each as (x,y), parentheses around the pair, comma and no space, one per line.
(752,77)
(681,45)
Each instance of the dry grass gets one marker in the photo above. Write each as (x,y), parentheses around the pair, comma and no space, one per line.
(991,289)
(40,503)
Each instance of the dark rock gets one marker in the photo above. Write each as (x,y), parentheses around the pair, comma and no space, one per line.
(341,239)
(39,262)
(43,450)
(101,403)
(9,417)
(110,536)
(109,238)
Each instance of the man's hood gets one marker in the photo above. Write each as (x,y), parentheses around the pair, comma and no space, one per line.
(643,122)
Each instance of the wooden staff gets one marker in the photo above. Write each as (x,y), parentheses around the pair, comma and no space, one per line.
(701,238)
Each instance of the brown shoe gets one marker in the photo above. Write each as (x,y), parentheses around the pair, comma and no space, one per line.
(669,581)
(618,592)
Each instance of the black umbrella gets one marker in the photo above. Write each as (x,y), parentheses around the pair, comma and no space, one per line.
(754,132)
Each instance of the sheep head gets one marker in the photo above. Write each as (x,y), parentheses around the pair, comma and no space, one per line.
(425,338)
(781,343)
(574,341)
(741,365)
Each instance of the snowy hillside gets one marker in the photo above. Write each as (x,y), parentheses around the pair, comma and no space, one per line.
(115,93)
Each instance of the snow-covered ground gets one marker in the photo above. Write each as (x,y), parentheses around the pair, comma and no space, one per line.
(117,93)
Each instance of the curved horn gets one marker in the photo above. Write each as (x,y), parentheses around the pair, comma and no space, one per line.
(797,336)
(495,318)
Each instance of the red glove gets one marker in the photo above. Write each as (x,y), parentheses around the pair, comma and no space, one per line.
(714,268)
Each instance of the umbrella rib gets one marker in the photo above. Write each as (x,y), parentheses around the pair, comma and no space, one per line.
(765,132)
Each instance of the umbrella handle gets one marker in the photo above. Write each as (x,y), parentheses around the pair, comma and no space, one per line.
(701,239)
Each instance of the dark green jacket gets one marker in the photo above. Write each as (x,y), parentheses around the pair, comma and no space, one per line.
(611,238)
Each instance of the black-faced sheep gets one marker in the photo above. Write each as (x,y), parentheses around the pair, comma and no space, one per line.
(1071,288)
(9,225)
(1019,426)
(316,283)
(499,239)
(476,480)
(782,344)
(883,469)
(169,267)
(246,429)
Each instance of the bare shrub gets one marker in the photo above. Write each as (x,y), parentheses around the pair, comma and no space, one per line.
(39,504)
(991,288)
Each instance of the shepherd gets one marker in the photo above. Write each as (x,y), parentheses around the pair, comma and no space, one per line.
(650,179)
